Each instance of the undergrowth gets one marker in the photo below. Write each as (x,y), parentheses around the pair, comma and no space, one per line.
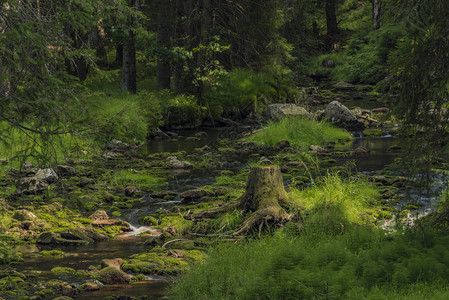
(362,263)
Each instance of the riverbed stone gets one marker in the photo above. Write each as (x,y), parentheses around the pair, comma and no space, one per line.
(115,263)
(66,171)
(99,215)
(361,151)
(175,163)
(84,181)
(80,236)
(124,226)
(111,275)
(342,117)
(49,175)
(31,185)
(24,215)
(195,195)
(131,190)
(341,85)
(317,149)
(279,111)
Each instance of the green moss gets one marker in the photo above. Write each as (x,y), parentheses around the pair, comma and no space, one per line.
(178,223)
(52,253)
(373,132)
(148,220)
(63,271)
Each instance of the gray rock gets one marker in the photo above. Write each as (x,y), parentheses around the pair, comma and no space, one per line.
(317,149)
(24,215)
(279,111)
(131,190)
(79,236)
(30,185)
(66,171)
(48,175)
(341,85)
(342,117)
(111,275)
(175,163)
(99,215)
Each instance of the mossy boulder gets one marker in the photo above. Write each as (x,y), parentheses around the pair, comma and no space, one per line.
(112,275)
(80,236)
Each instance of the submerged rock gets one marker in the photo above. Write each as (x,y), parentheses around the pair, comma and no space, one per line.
(279,111)
(342,117)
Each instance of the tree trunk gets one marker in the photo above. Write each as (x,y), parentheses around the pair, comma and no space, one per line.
(129,80)
(331,18)
(264,198)
(163,41)
(119,55)
(377,13)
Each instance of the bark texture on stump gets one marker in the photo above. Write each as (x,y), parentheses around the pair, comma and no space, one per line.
(264,198)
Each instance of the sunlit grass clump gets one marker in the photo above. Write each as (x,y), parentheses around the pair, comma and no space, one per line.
(334,200)
(300,132)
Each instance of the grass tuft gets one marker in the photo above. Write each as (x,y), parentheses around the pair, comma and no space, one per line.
(300,132)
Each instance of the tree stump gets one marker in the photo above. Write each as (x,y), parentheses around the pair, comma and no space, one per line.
(264,198)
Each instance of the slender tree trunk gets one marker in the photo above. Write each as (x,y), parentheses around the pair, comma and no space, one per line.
(119,55)
(179,30)
(129,80)
(163,41)
(377,13)
(331,18)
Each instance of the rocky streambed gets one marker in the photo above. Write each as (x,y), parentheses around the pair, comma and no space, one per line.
(117,224)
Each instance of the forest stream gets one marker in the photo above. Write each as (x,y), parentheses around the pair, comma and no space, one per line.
(380,155)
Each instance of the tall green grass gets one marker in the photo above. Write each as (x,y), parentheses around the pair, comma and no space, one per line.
(300,132)
(333,201)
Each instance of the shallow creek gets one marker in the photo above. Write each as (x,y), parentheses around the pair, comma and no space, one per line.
(81,257)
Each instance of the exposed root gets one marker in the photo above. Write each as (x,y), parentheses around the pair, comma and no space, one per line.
(270,215)
(211,213)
